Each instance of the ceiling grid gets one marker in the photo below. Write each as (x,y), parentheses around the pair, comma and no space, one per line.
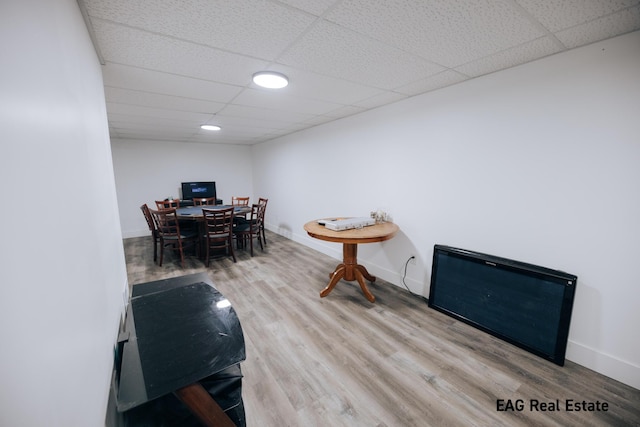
(170,66)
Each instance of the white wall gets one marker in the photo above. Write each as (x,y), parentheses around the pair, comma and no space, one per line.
(63,270)
(538,163)
(147,171)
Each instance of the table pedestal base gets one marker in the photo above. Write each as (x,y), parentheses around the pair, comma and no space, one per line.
(350,270)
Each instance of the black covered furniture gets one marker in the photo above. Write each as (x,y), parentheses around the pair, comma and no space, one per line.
(179,356)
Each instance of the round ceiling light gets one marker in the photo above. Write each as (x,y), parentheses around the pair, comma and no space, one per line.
(270,79)
(210,127)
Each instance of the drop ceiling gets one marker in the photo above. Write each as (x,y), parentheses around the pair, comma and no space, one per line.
(170,66)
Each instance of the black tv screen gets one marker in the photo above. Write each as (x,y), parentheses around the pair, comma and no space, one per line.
(198,190)
(527,305)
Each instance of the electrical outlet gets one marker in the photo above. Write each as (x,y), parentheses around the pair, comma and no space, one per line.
(412,260)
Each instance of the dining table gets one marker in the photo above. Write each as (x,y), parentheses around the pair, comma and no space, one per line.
(186,214)
(195,212)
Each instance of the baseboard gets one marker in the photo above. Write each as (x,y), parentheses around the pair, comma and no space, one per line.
(604,364)
(136,233)
(593,359)
(393,277)
(332,250)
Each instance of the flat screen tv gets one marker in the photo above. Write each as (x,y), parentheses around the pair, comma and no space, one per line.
(526,305)
(198,189)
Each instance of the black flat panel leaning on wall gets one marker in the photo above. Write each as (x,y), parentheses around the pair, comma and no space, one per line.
(526,305)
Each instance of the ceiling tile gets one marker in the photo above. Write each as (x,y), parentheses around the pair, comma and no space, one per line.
(448,32)
(316,7)
(233,122)
(127,77)
(137,110)
(142,49)
(282,101)
(511,57)
(556,15)
(178,128)
(157,134)
(314,121)
(144,123)
(599,29)
(230,134)
(257,28)
(265,114)
(437,81)
(221,139)
(379,100)
(345,111)
(308,84)
(171,65)
(332,50)
(146,99)
(141,122)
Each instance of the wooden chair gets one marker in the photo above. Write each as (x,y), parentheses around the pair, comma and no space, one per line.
(168,204)
(204,201)
(218,227)
(169,234)
(152,227)
(262,201)
(247,231)
(239,201)
(187,226)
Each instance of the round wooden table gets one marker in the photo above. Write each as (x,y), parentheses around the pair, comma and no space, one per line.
(349,269)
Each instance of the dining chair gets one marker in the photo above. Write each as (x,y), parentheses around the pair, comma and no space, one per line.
(239,201)
(243,202)
(169,233)
(218,231)
(204,201)
(152,227)
(262,201)
(168,204)
(251,229)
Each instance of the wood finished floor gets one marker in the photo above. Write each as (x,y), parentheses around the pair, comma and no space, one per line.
(342,361)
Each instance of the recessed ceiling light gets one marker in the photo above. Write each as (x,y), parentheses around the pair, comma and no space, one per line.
(270,79)
(210,127)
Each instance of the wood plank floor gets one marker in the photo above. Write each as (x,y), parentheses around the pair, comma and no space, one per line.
(342,361)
